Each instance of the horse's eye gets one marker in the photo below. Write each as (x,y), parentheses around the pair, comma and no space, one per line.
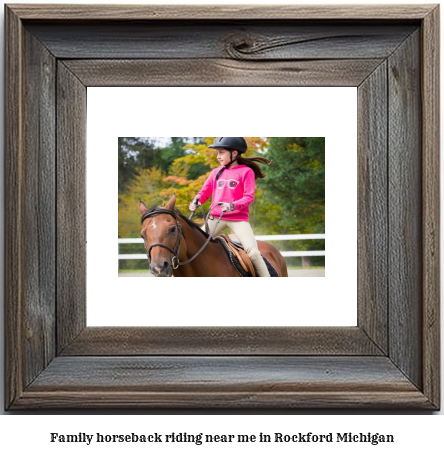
(173,229)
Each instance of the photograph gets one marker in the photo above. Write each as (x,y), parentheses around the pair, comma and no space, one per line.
(221,206)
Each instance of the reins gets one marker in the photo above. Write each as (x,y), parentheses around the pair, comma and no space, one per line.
(175,262)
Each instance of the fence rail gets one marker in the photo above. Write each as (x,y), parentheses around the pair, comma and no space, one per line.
(272,237)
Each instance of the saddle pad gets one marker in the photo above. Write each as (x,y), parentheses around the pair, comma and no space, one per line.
(239,268)
(238,251)
(271,270)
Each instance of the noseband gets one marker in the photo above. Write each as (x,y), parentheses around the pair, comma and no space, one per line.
(176,250)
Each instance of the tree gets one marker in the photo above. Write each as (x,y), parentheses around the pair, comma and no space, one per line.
(127,163)
(147,153)
(147,187)
(296,181)
(171,152)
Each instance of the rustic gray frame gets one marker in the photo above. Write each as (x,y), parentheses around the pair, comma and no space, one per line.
(390,360)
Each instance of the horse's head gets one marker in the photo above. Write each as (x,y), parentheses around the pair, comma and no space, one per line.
(160,233)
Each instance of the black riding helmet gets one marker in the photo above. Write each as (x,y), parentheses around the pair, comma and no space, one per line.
(224,142)
(230,144)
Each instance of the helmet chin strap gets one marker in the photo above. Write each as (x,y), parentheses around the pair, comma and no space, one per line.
(227,165)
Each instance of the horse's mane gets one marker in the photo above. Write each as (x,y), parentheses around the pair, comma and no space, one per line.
(184,218)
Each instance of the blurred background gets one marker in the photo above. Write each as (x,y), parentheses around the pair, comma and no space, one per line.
(289,206)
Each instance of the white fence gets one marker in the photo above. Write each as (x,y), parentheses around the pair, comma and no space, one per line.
(277,237)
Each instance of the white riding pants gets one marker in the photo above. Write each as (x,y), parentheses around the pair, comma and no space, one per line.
(246,237)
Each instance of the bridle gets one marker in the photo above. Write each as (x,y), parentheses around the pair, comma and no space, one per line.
(175,263)
(176,250)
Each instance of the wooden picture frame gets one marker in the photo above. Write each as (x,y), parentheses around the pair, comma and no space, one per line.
(390,360)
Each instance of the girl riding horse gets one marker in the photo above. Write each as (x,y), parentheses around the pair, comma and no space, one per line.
(232,188)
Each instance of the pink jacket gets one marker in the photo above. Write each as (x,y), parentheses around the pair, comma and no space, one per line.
(235,185)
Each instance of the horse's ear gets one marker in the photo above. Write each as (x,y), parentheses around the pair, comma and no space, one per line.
(171,203)
(142,207)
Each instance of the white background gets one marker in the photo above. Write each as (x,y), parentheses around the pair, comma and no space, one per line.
(329,112)
(414,433)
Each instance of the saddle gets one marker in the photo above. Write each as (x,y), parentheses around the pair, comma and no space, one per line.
(238,251)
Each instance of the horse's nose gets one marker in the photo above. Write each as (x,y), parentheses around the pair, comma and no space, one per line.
(161,269)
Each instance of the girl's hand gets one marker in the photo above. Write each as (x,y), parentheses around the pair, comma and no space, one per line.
(193,206)
(227,207)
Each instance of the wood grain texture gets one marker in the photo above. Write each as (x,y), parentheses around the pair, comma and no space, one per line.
(430,94)
(246,401)
(234,382)
(405,209)
(71,206)
(220,72)
(126,341)
(209,373)
(224,12)
(38,217)
(236,40)
(13,207)
(30,195)
(372,207)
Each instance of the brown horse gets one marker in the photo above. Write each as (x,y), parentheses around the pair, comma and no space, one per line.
(171,239)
